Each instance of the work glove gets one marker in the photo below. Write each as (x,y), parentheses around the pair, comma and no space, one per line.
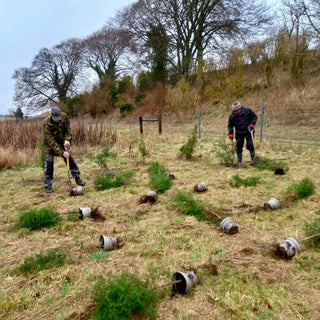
(66,154)
(231,136)
(251,127)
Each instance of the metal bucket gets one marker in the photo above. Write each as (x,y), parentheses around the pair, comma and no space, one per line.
(200,187)
(184,281)
(84,213)
(108,243)
(288,248)
(228,226)
(271,204)
(78,191)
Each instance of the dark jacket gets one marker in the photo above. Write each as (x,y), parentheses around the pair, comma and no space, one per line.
(55,133)
(241,121)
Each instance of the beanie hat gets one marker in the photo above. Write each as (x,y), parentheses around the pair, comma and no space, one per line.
(236,106)
(56,113)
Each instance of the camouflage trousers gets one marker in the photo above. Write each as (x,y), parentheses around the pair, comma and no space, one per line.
(49,168)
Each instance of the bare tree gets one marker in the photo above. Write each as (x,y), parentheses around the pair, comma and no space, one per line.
(103,49)
(195,27)
(298,36)
(312,11)
(51,77)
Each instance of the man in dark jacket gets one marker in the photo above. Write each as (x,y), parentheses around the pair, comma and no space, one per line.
(243,120)
(56,141)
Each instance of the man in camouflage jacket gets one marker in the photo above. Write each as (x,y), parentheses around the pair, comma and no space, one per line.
(56,140)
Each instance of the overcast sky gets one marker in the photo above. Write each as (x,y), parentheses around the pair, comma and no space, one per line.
(30,25)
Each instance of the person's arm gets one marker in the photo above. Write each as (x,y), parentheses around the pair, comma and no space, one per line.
(230,128)
(66,130)
(253,117)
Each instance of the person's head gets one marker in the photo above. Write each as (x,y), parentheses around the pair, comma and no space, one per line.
(236,107)
(56,114)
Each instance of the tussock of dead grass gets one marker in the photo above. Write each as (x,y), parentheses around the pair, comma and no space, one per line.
(10,158)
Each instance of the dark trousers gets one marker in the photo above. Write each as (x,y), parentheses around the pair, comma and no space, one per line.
(240,142)
(49,168)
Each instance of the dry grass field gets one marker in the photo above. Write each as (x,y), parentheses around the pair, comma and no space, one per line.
(239,275)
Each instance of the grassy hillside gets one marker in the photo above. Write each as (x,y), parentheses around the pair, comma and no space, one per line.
(240,277)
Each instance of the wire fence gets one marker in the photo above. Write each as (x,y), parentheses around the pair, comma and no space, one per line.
(274,126)
(271,126)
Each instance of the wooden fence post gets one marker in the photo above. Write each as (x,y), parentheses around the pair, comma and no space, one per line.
(160,121)
(199,123)
(261,129)
(140,121)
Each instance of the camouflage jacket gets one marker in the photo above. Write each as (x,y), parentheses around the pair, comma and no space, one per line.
(55,133)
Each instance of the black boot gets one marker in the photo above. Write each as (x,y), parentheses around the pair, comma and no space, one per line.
(239,155)
(252,154)
(49,190)
(79,182)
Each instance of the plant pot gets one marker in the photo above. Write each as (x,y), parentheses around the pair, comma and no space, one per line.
(200,187)
(84,213)
(184,281)
(108,243)
(151,196)
(228,226)
(78,191)
(171,175)
(271,204)
(288,248)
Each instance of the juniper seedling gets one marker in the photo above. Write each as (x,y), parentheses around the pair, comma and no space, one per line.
(104,181)
(43,260)
(303,189)
(237,181)
(143,150)
(185,202)
(188,149)
(225,152)
(102,158)
(38,218)
(262,163)
(125,295)
(159,181)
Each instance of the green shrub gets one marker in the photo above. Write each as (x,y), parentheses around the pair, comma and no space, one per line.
(247,182)
(303,189)
(143,150)
(43,260)
(123,296)
(139,97)
(313,228)
(188,149)
(125,109)
(225,152)
(159,181)
(262,163)
(102,158)
(38,218)
(185,203)
(155,168)
(104,181)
